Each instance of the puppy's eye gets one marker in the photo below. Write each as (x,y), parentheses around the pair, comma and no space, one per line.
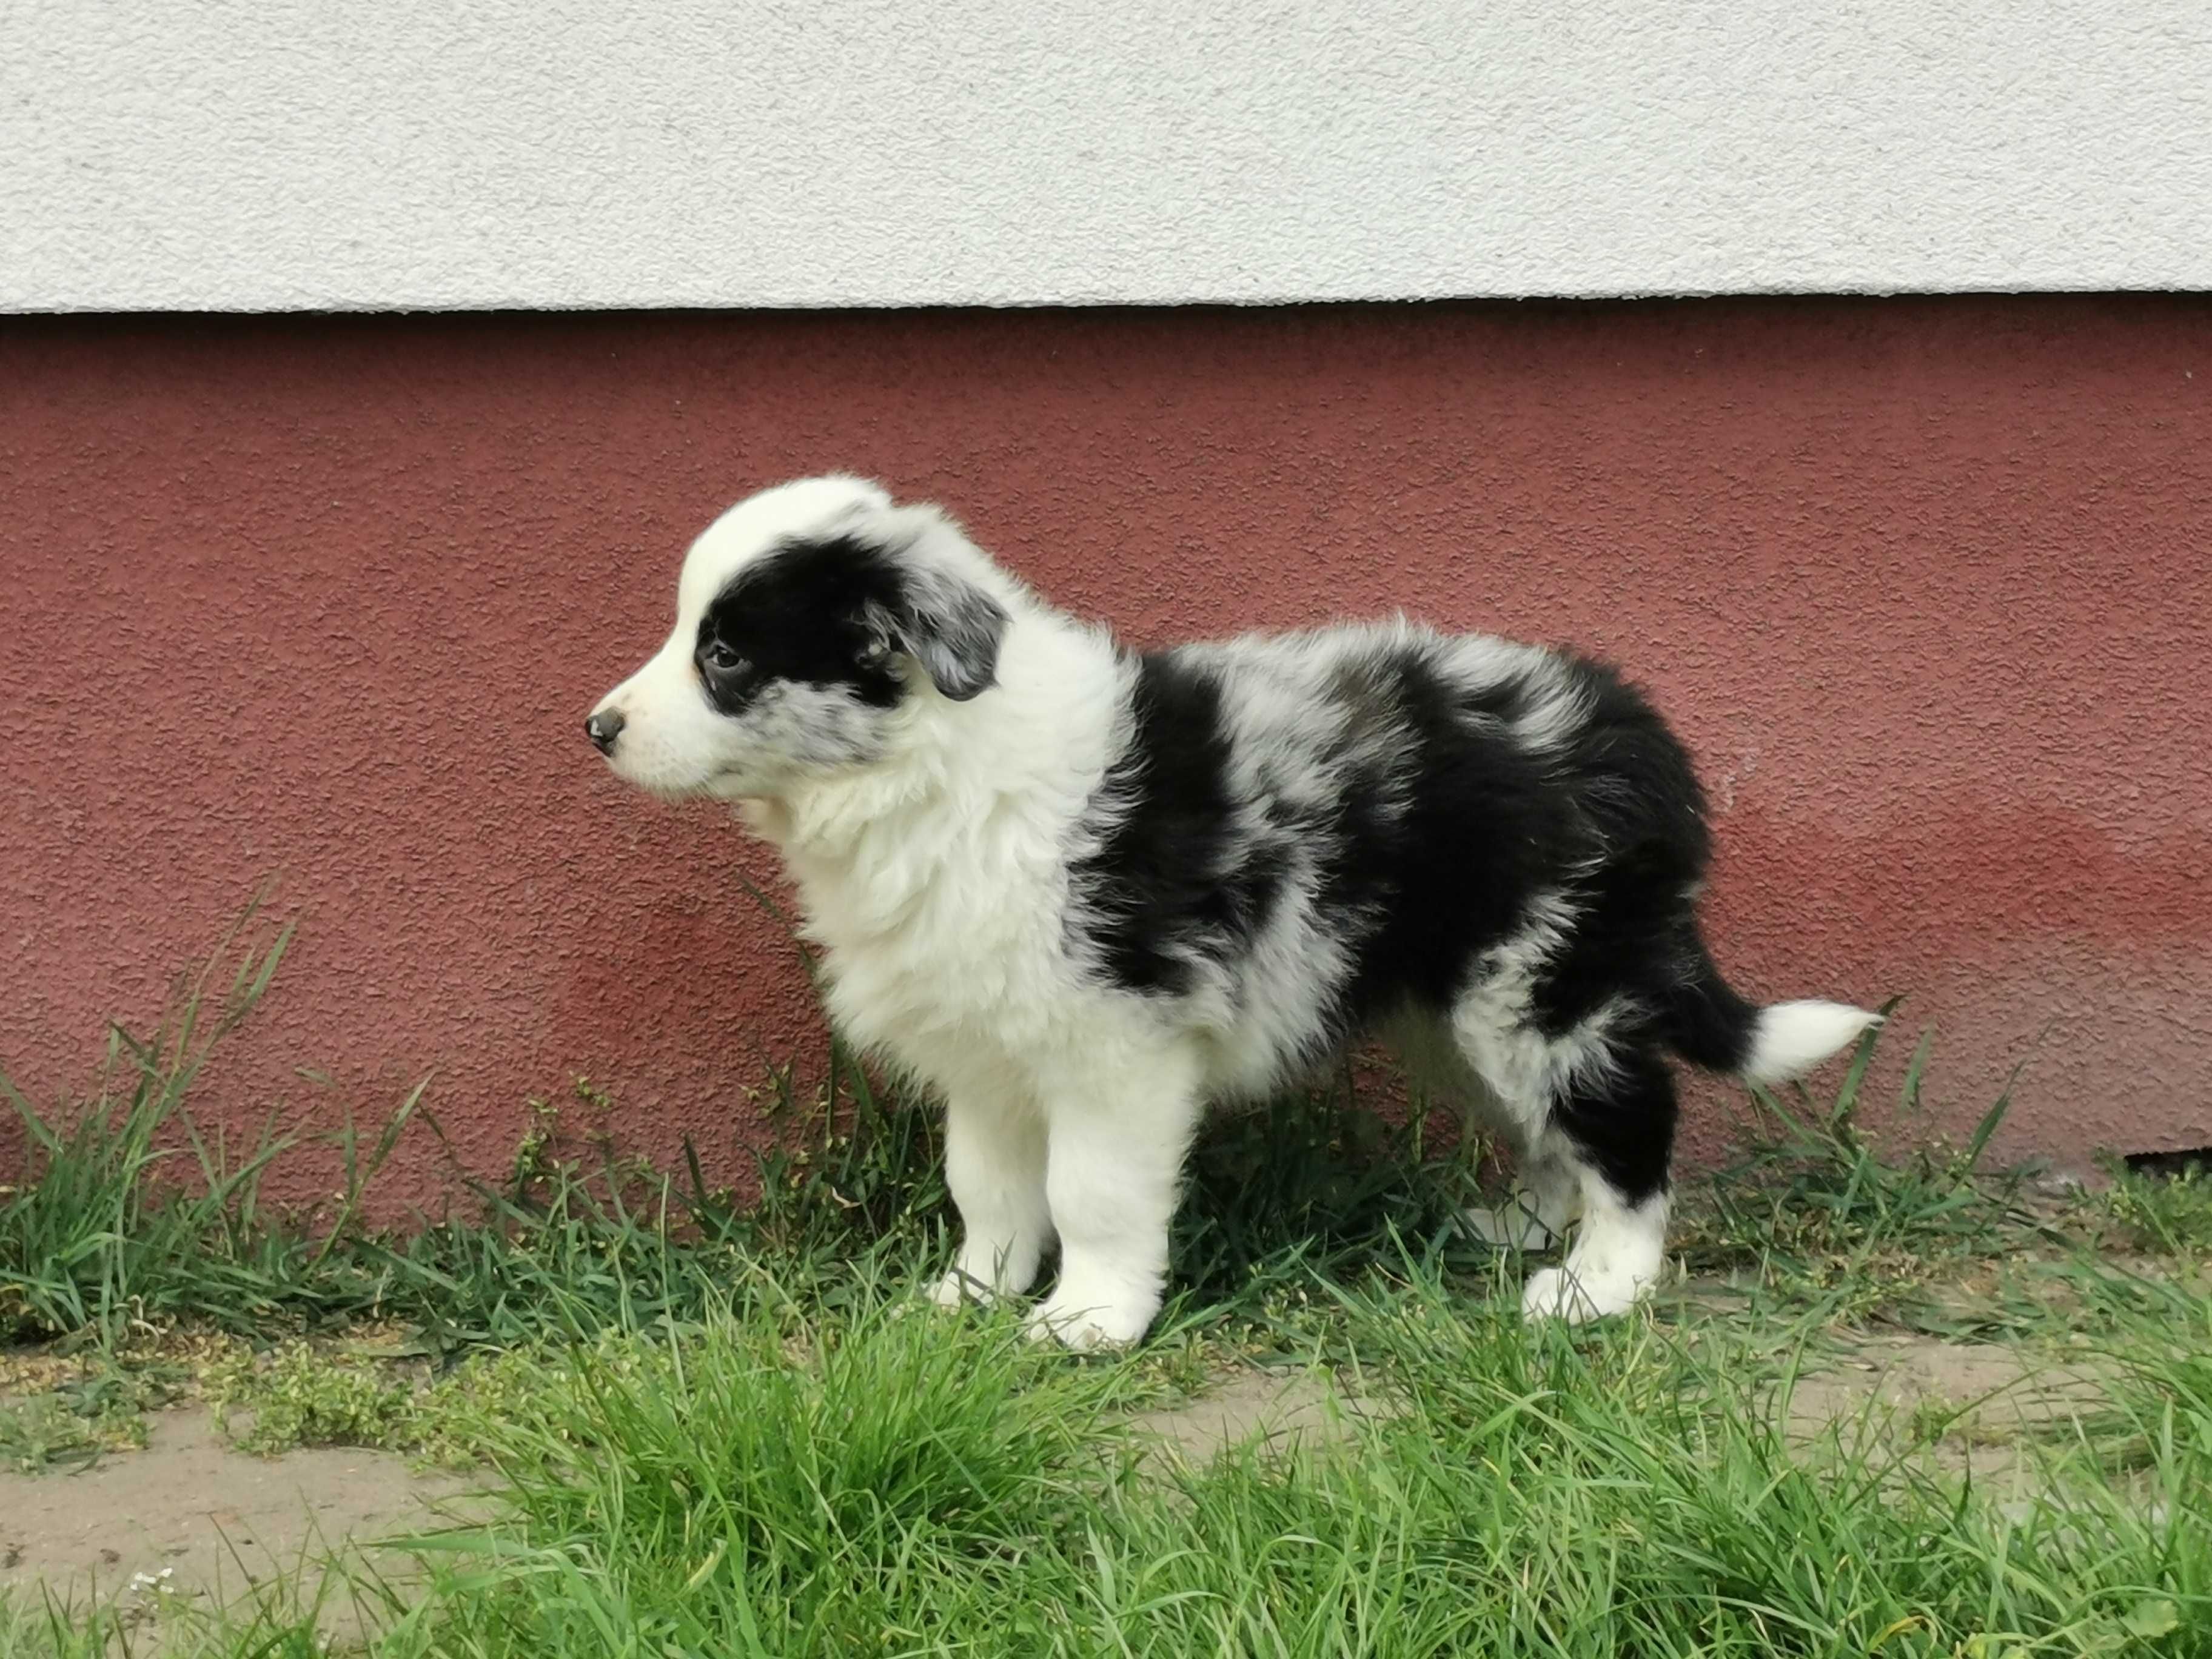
(720,658)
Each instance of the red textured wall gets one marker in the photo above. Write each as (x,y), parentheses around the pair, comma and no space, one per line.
(1926,584)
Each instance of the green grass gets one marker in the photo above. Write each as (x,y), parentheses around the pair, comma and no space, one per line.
(881,1481)
(1817,1217)
(2165,1215)
(704,1427)
(99,1235)
(132,1218)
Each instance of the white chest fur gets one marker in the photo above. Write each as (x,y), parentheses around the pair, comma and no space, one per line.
(938,888)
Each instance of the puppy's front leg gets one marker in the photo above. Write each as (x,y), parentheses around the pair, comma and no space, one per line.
(1116,1141)
(994,1166)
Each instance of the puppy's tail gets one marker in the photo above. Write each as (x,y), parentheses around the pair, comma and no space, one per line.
(1709,1025)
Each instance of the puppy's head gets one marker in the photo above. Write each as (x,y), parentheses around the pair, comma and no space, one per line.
(810,620)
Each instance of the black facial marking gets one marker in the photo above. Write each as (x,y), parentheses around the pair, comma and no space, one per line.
(801,614)
(831,612)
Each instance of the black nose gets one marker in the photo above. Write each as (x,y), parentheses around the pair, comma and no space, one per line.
(603,728)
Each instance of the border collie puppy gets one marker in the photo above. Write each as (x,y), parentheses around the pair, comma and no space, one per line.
(1080,891)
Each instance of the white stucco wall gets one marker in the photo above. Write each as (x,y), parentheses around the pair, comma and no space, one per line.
(284,154)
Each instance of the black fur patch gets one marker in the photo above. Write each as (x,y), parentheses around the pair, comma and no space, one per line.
(1170,887)
(828,612)
(1639,835)
(1622,1121)
(801,614)
(1187,873)
(1442,828)
(1480,837)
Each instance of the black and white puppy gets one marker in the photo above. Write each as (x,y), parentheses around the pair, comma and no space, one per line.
(1080,891)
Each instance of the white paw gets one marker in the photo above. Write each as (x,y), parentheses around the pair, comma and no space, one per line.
(1087,1324)
(1556,1293)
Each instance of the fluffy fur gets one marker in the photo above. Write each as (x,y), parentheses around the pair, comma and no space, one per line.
(1081,890)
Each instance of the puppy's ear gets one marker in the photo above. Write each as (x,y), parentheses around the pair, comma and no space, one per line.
(949,625)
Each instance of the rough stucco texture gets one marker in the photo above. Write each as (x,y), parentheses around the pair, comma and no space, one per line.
(1924,583)
(298,154)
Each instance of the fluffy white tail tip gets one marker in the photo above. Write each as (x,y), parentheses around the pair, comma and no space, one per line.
(1795,1036)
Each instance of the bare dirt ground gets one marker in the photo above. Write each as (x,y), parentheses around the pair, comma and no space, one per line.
(214,1519)
(1285,1408)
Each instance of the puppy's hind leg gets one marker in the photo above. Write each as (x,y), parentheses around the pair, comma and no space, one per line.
(1614,1132)
(1535,1215)
(1544,1197)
